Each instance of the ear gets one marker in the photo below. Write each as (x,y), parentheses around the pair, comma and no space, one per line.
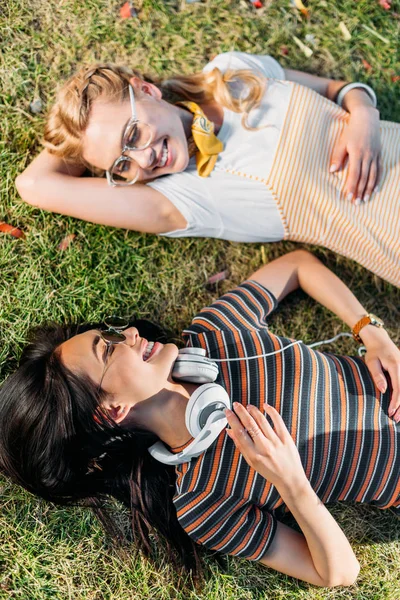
(147,88)
(117,411)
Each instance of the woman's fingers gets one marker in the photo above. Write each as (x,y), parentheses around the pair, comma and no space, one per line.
(252,425)
(338,156)
(362,182)
(353,177)
(279,424)
(375,368)
(372,180)
(238,429)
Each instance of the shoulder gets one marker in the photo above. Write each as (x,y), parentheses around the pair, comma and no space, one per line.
(264,64)
(243,308)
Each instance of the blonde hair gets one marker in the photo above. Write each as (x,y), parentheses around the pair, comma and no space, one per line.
(69,116)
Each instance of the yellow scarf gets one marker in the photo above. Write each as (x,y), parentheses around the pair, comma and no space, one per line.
(207,144)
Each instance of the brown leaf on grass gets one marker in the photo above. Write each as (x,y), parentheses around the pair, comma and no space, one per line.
(300,6)
(11,230)
(366,65)
(218,277)
(63,245)
(127,10)
(284,50)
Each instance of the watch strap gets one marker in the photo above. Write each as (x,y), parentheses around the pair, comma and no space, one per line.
(368,319)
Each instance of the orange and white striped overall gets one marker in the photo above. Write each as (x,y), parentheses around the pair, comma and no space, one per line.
(311,200)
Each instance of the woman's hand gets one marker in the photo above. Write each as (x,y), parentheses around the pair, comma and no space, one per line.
(383,354)
(361,143)
(270,452)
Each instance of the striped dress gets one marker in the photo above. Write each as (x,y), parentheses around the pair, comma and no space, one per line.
(311,201)
(348,445)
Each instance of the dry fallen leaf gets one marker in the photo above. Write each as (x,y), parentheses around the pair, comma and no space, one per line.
(300,6)
(218,277)
(11,230)
(127,10)
(307,51)
(63,245)
(345,32)
(366,65)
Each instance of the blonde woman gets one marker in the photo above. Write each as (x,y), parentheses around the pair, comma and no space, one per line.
(244,151)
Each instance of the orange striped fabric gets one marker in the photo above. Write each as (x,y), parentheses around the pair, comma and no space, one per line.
(311,200)
(348,445)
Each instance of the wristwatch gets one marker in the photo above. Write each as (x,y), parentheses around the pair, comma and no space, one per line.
(369,319)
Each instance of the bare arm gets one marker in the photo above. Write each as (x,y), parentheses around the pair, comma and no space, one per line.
(302,269)
(51,184)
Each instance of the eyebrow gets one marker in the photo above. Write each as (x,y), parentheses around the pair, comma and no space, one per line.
(95,342)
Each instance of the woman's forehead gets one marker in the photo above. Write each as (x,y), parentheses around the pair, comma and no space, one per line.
(80,348)
(102,140)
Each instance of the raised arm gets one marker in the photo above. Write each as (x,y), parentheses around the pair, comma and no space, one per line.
(54,185)
(302,269)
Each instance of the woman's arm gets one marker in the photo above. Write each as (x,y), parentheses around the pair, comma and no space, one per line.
(322,555)
(360,141)
(302,269)
(52,184)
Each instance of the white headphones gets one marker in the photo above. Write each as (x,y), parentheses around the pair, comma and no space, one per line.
(204,416)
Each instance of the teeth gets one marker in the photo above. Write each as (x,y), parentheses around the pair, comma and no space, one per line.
(148,350)
(164,155)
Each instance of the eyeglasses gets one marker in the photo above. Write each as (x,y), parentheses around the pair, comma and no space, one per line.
(136,136)
(112,336)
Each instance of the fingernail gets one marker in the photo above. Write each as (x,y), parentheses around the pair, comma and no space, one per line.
(366,197)
(236,404)
(332,168)
(382,388)
(357,201)
(248,407)
(228,412)
(349,196)
(391,412)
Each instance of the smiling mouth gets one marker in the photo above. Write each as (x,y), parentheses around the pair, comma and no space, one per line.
(147,352)
(164,155)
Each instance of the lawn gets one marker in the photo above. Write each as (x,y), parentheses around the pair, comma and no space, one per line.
(51,553)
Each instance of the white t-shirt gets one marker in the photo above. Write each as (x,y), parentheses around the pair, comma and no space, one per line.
(230,204)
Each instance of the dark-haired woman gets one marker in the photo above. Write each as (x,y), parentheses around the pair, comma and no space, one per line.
(243,151)
(78,416)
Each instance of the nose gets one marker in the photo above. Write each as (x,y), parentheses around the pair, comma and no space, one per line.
(145,158)
(132,335)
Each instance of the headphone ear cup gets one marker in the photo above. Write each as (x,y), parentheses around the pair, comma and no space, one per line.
(194,368)
(206,400)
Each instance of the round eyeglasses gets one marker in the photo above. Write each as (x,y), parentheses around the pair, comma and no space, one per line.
(112,336)
(136,136)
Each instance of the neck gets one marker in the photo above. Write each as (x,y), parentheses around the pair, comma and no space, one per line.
(164,414)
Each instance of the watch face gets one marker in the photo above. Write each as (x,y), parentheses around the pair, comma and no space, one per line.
(375,320)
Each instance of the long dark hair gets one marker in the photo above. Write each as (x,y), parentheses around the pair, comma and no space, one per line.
(51,444)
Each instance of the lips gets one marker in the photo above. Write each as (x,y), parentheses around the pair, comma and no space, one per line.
(150,349)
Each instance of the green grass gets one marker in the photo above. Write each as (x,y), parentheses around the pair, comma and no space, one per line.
(49,553)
